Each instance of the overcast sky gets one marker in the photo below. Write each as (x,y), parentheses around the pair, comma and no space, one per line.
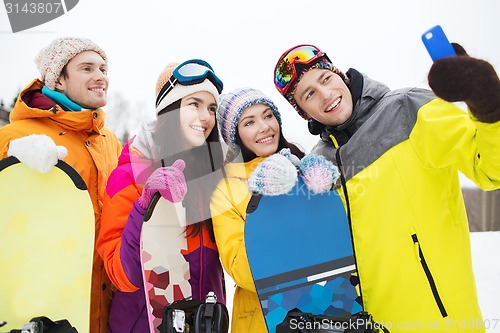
(244,40)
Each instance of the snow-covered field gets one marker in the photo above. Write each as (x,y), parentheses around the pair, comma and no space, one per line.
(486,262)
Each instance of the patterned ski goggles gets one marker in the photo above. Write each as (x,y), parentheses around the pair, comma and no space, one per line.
(285,72)
(188,73)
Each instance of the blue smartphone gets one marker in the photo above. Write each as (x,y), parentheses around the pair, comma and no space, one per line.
(437,43)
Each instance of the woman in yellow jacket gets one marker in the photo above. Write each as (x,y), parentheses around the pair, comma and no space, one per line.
(251,125)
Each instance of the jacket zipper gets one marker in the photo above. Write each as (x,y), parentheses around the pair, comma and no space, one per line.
(348,211)
(202,297)
(428,274)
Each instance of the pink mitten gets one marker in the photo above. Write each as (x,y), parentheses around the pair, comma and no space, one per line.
(318,173)
(169,181)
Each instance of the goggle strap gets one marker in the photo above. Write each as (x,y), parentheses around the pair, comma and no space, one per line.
(215,81)
(165,90)
(299,67)
(296,64)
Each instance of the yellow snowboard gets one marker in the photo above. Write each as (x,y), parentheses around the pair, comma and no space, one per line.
(46,245)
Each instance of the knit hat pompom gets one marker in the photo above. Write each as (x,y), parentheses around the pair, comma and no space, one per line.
(180,91)
(233,104)
(51,60)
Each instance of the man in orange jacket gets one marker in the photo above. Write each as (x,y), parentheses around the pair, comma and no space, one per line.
(59,116)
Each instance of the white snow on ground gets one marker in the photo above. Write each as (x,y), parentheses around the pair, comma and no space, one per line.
(486,263)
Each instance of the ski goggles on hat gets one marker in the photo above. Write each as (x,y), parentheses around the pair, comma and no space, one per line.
(285,72)
(188,73)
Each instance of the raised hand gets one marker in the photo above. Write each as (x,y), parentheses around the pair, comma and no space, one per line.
(169,181)
(275,175)
(318,173)
(471,80)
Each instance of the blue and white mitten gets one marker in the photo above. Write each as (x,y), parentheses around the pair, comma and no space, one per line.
(318,173)
(275,175)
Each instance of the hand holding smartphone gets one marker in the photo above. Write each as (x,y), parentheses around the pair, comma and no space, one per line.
(437,43)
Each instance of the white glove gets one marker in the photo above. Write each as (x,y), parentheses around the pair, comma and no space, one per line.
(318,173)
(275,175)
(37,151)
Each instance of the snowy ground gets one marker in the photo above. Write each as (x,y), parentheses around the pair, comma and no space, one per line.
(486,261)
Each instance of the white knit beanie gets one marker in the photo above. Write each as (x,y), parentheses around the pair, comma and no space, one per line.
(52,59)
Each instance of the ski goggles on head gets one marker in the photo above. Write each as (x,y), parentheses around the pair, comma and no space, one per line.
(285,72)
(188,73)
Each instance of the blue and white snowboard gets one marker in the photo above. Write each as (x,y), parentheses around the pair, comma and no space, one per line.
(300,252)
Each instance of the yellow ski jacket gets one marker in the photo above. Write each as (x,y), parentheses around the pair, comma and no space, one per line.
(228,208)
(401,155)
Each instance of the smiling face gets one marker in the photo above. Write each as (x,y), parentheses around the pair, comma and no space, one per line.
(86,80)
(259,130)
(197,117)
(324,96)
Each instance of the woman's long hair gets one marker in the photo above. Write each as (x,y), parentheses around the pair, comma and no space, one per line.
(203,165)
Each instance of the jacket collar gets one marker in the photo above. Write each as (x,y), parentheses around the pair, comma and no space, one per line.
(242,170)
(84,121)
(366,93)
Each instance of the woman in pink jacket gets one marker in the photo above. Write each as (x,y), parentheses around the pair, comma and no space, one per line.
(168,156)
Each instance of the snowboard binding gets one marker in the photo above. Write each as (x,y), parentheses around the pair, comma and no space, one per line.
(297,321)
